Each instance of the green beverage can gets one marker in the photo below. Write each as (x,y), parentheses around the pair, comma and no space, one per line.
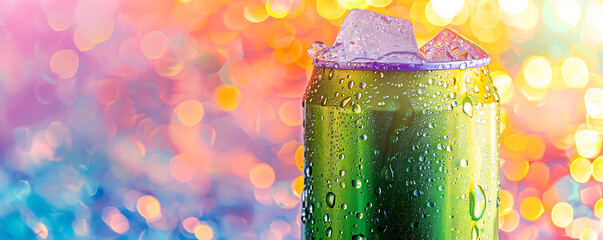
(401,149)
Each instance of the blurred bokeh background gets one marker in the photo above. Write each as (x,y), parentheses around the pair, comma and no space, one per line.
(182,119)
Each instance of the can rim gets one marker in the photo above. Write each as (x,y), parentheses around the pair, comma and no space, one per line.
(374,65)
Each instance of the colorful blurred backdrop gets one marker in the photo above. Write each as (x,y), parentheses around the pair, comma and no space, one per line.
(168,119)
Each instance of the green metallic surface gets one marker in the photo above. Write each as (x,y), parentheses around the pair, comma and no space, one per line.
(401,155)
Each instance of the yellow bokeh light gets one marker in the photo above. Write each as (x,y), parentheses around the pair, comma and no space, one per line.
(204,232)
(513,6)
(278,8)
(593,100)
(531,208)
(189,112)
(568,11)
(589,234)
(351,4)
(506,202)
(379,3)
(599,208)
(434,18)
(262,175)
(597,169)
(574,72)
(515,169)
(227,97)
(64,63)
(580,170)
(154,44)
(447,9)
(330,9)
(255,11)
(510,221)
(537,72)
(588,143)
(562,214)
(148,206)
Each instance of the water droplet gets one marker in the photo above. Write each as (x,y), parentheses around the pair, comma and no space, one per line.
(431,204)
(454,104)
(463,65)
(324,101)
(381,74)
(497,202)
(464,162)
(344,206)
(430,81)
(341,156)
(331,73)
(468,107)
(358,96)
(329,232)
(474,233)
(358,237)
(356,108)
(326,217)
(378,191)
(308,171)
(363,85)
(363,137)
(452,95)
(414,224)
(345,102)
(421,91)
(475,89)
(311,208)
(342,173)
(351,84)
(357,184)
(477,202)
(330,199)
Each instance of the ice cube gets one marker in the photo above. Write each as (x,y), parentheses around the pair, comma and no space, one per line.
(449,46)
(367,36)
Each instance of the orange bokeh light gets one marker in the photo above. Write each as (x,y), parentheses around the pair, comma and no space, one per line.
(227,97)
(262,175)
(64,63)
(148,206)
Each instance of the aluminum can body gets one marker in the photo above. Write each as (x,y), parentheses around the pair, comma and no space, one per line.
(401,155)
